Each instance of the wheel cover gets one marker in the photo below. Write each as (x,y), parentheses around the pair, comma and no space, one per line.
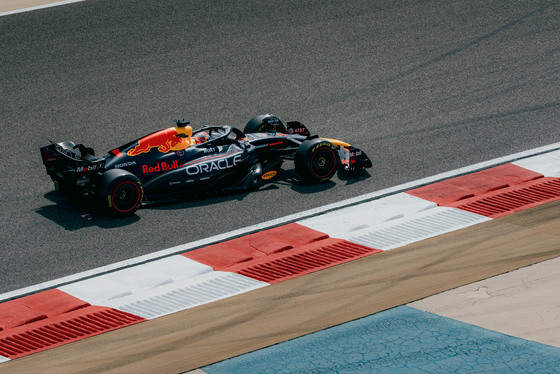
(126,196)
(323,163)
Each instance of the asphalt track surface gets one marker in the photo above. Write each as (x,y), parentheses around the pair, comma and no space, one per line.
(423,87)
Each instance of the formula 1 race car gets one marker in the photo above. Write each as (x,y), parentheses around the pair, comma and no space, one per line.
(177,160)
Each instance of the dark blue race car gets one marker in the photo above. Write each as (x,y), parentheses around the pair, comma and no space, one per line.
(176,161)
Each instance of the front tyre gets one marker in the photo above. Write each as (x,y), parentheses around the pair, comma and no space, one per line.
(264,123)
(316,160)
(121,193)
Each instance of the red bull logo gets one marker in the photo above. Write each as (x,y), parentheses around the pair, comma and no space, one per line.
(164,141)
(160,166)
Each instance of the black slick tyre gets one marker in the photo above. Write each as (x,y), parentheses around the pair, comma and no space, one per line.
(121,193)
(316,160)
(264,123)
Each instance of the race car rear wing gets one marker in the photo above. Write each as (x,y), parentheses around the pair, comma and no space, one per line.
(70,159)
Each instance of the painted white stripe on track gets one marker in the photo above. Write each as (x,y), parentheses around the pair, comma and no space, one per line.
(392,221)
(43,6)
(344,221)
(163,299)
(398,232)
(547,164)
(272,223)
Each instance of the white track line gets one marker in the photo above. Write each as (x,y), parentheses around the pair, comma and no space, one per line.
(58,3)
(272,223)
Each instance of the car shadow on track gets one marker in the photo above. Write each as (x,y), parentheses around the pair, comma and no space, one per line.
(353,177)
(74,213)
(287,178)
(284,178)
(292,179)
(77,213)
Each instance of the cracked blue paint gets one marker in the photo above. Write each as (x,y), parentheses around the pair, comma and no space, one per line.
(399,340)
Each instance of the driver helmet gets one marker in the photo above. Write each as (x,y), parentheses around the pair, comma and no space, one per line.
(201,137)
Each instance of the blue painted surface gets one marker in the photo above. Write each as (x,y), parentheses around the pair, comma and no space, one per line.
(399,340)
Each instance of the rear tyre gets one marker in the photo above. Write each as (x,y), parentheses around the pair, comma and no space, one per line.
(121,193)
(264,123)
(316,160)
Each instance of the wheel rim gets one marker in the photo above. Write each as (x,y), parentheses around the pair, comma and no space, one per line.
(323,163)
(126,196)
